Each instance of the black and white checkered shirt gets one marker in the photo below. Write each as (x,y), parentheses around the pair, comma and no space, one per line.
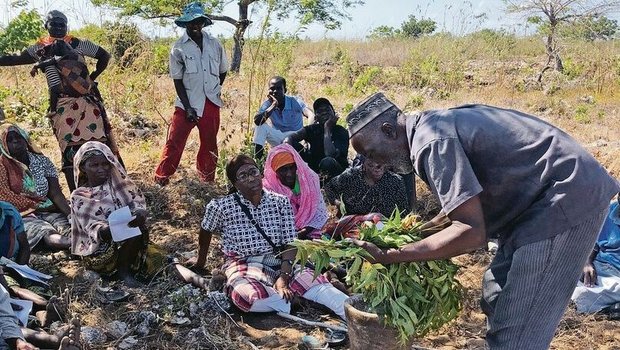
(240,238)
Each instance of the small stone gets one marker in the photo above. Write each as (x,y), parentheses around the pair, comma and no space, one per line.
(441,339)
(146,319)
(587,99)
(128,342)
(89,276)
(195,335)
(117,329)
(180,321)
(193,309)
(476,344)
(143,329)
(218,301)
(148,316)
(93,336)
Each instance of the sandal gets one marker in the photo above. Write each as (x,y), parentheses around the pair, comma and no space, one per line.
(113,295)
(335,338)
(309,342)
(614,312)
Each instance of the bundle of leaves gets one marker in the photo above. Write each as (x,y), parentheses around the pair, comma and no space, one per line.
(414,297)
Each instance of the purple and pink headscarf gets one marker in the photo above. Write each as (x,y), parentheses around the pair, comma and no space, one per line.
(309,207)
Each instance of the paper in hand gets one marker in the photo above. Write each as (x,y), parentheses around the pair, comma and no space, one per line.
(118,221)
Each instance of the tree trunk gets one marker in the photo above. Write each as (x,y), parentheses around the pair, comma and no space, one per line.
(242,25)
(237,54)
(559,67)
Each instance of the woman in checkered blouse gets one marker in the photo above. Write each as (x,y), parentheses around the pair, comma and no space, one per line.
(259,279)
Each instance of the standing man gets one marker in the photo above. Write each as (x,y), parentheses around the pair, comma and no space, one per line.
(285,112)
(327,143)
(498,173)
(198,66)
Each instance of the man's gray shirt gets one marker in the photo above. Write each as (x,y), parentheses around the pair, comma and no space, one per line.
(200,70)
(533,179)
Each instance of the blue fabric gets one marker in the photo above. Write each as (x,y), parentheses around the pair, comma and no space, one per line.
(609,238)
(191,12)
(11,225)
(288,119)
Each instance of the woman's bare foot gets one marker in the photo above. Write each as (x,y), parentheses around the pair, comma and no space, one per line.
(72,341)
(55,310)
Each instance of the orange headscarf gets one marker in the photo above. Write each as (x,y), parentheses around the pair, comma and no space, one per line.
(48,40)
(281,159)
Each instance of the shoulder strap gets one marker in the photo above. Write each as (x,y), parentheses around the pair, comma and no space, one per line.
(247,213)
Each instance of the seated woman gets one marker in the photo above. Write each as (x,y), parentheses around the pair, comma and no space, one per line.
(366,189)
(32,186)
(13,241)
(259,278)
(287,174)
(103,187)
(600,287)
(14,246)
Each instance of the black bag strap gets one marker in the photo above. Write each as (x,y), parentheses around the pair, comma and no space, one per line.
(260,230)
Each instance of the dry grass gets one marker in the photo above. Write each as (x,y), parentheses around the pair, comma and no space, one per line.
(455,71)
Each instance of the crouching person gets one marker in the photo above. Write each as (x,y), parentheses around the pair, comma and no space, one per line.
(254,225)
(599,289)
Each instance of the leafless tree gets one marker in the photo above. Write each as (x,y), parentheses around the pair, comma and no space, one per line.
(552,14)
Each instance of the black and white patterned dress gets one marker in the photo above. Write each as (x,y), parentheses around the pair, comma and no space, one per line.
(240,238)
(360,198)
(41,168)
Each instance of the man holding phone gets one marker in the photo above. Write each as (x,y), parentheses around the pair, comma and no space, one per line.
(285,113)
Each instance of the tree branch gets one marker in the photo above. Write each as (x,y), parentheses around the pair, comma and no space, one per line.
(224,19)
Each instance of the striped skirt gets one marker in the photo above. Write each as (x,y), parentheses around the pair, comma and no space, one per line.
(252,278)
(40,224)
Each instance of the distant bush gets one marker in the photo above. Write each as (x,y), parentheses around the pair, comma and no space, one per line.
(590,28)
(411,28)
(119,38)
(365,82)
(22,31)
(497,42)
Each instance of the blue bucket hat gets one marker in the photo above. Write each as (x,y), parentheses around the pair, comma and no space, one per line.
(191,12)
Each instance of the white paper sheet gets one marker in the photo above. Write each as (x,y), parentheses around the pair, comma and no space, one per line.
(25,271)
(22,315)
(118,221)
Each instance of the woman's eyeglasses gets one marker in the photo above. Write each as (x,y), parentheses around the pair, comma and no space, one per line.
(245,176)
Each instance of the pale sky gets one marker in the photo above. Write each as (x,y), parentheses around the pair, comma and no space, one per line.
(454,16)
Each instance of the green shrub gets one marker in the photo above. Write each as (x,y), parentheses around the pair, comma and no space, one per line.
(22,31)
(499,43)
(414,102)
(365,81)
(572,69)
(581,114)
